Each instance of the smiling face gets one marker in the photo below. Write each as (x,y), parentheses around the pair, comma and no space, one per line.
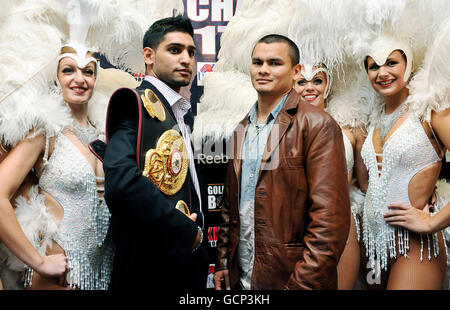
(387,79)
(272,71)
(173,60)
(77,84)
(312,91)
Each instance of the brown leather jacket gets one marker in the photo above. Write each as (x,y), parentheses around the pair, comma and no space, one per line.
(302,209)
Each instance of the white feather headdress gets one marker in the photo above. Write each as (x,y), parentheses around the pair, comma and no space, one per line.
(32,33)
(318,27)
(416,23)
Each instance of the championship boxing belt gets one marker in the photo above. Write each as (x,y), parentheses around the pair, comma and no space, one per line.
(161,152)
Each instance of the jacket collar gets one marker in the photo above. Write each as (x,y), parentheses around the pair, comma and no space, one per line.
(280,126)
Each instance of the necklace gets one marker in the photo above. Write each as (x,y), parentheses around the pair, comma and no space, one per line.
(85,134)
(385,122)
(258,128)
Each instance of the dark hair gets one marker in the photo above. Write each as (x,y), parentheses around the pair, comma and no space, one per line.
(293,51)
(155,34)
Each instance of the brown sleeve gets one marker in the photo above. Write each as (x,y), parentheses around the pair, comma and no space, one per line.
(223,238)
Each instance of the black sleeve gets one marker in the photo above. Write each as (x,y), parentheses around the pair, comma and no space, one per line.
(134,199)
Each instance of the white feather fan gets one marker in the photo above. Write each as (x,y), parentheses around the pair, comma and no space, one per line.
(35,221)
(430,88)
(226,99)
(352,101)
(254,20)
(318,27)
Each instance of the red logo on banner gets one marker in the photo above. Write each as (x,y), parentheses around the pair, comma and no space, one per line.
(212,236)
(206,68)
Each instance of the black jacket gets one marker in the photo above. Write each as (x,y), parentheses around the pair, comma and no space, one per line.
(153,240)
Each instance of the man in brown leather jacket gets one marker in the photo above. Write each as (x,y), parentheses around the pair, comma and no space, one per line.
(286,206)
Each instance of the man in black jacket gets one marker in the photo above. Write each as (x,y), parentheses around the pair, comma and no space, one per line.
(149,170)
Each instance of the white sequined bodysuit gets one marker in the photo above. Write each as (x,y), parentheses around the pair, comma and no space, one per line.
(405,153)
(69,178)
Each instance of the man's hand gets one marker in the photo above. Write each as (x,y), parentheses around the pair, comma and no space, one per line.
(409,217)
(193,216)
(222,280)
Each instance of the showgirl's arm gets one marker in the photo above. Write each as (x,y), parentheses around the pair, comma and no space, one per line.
(13,171)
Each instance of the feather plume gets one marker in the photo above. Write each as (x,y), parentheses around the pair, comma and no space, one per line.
(36,221)
(352,100)
(226,99)
(430,88)
(249,24)
(28,98)
(316,26)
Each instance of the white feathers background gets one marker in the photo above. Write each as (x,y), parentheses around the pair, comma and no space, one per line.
(429,89)
(319,28)
(31,35)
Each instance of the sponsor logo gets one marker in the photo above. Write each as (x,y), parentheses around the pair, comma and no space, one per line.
(212,159)
(212,236)
(203,68)
(215,192)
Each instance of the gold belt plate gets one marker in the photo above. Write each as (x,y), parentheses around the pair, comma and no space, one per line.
(167,165)
(183,207)
(153,105)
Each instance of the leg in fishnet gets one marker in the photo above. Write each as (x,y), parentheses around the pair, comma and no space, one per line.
(411,274)
(348,266)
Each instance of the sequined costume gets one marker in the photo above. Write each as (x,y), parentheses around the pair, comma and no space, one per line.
(405,153)
(83,232)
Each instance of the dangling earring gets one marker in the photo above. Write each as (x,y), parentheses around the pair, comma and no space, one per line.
(56,88)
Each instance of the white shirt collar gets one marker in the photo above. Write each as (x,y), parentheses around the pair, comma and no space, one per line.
(171,96)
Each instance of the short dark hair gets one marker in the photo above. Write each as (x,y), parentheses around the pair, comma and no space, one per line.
(293,51)
(155,34)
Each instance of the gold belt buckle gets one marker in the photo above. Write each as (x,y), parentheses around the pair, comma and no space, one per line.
(167,165)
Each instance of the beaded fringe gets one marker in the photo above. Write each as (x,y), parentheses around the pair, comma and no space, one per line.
(383,244)
(357,198)
(357,223)
(83,275)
